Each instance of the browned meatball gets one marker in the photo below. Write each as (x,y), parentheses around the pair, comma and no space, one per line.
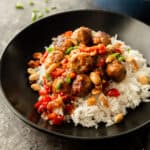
(81,63)
(62,43)
(82,35)
(81,85)
(59,85)
(101,37)
(57,56)
(116,70)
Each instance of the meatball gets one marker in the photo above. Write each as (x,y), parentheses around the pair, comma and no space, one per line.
(82,35)
(56,56)
(62,43)
(81,85)
(81,63)
(101,37)
(116,70)
(59,85)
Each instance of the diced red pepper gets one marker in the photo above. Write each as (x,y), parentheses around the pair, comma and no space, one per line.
(43,92)
(117,50)
(101,49)
(44,57)
(68,33)
(58,120)
(113,92)
(52,116)
(55,118)
(73,75)
(57,72)
(101,62)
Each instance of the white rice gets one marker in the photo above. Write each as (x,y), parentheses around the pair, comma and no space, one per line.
(132,94)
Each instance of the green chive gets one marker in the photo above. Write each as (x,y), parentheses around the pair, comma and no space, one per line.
(128,50)
(121,58)
(35,10)
(19,5)
(46,10)
(46,1)
(34,16)
(70,49)
(148,79)
(40,15)
(48,77)
(116,55)
(49,49)
(53,8)
(59,85)
(68,79)
(31,3)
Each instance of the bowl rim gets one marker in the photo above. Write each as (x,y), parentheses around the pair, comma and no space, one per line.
(55,133)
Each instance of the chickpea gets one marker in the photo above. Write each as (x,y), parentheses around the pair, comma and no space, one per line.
(118,118)
(33,77)
(104,101)
(37,55)
(33,63)
(31,71)
(96,91)
(95,78)
(51,68)
(110,58)
(35,86)
(110,47)
(91,101)
(133,62)
(143,79)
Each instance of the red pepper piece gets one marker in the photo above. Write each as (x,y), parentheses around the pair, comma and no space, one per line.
(44,57)
(101,62)
(68,33)
(101,49)
(117,50)
(113,92)
(58,120)
(43,92)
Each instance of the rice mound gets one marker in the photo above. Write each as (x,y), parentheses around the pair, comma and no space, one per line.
(132,93)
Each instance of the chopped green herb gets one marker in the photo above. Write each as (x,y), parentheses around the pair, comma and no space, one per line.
(31,3)
(148,79)
(46,10)
(70,49)
(116,55)
(34,16)
(35,10)
(40,15)
(121,58)
(68,79)
(19,5)
(59,85)
(48,77)
(49,49)
(46,1)
(53,8)
(128,50)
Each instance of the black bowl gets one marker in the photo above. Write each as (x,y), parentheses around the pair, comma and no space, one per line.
(14,79)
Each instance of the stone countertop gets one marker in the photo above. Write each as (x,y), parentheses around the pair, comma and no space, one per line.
(14,133)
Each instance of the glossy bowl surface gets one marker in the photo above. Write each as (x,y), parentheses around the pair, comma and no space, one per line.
(14,78)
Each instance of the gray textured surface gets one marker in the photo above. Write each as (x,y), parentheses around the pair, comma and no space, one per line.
(15,134)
